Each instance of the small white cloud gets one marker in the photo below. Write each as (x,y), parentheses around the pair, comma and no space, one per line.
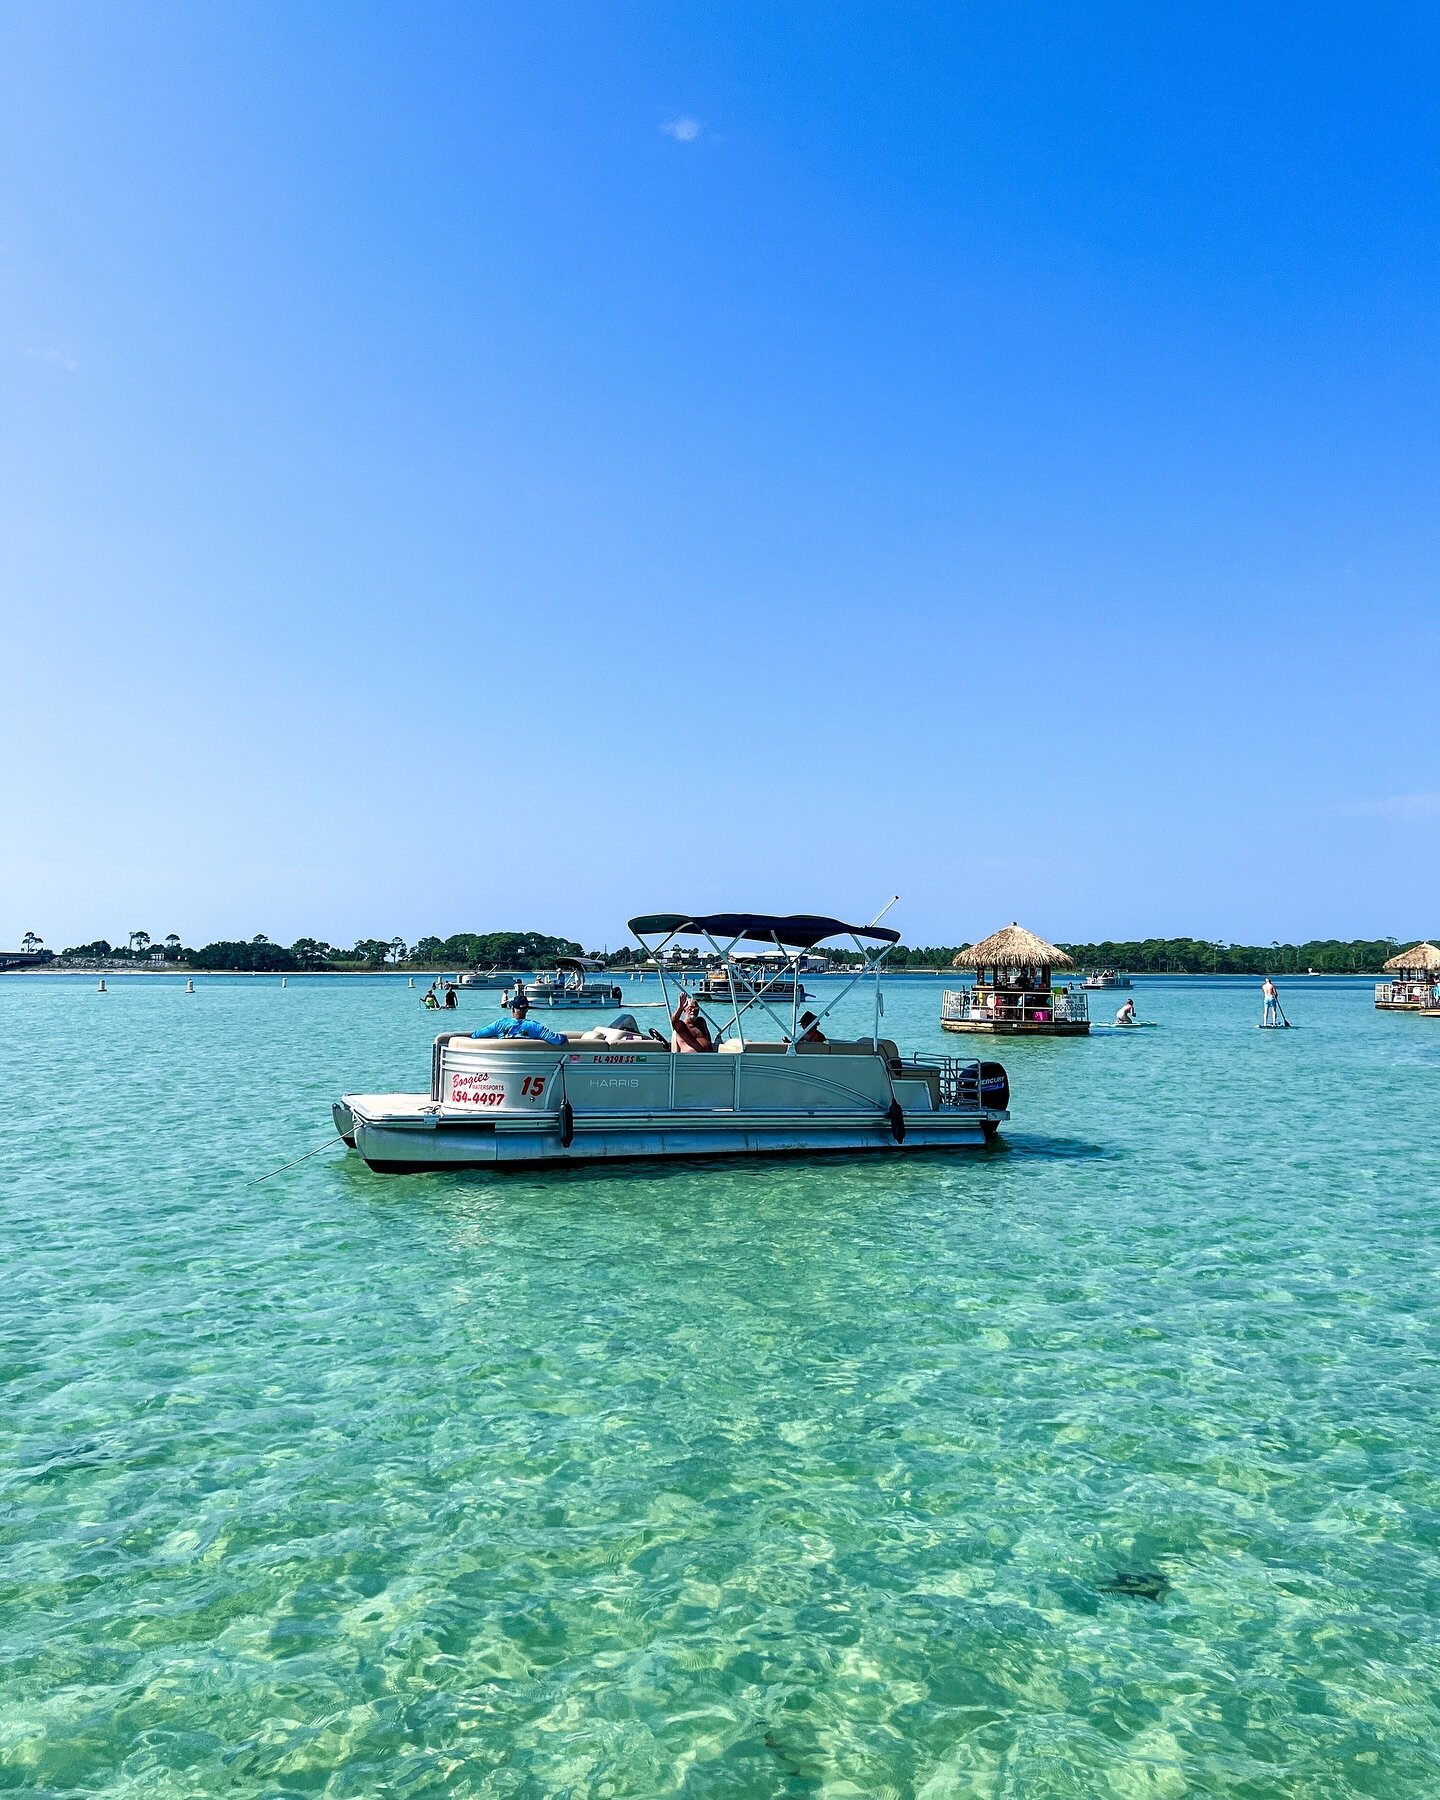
(56,358)
(1396,806)
(683,130)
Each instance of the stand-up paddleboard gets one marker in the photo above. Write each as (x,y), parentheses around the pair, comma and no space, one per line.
(1139,1025)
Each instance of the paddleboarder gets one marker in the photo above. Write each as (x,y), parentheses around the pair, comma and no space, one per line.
(1273,1015)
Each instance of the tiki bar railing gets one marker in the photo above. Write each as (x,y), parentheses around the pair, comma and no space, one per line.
(1016,1006)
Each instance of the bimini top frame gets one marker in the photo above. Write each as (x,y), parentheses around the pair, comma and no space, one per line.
(792,934)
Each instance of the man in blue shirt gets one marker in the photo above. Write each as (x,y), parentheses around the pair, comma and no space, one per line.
(518,1026)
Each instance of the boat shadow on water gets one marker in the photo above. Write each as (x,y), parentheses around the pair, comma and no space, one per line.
(1038,1145)
(776,1202)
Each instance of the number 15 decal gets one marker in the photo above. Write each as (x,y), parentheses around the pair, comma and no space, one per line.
(533,1084)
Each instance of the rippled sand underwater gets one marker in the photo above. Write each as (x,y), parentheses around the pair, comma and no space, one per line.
(1101,1464)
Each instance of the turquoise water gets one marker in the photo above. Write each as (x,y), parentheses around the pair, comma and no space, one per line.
(770,1480)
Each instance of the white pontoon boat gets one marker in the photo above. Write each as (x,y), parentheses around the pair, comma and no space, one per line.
(573,983)
(614,1092)
(778,985)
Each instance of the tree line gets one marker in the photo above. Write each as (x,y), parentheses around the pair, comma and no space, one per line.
(258,955)
(538,950)
(1180,956)
(1196,956)
(903,956)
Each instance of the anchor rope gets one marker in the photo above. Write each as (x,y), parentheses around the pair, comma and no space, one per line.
(334,1138)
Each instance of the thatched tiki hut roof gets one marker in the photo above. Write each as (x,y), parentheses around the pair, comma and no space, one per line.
(1422,958)
(1013,948)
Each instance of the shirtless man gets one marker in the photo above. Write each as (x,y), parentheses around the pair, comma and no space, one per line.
(689,1030)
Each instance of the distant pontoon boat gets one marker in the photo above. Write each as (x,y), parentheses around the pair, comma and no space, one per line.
(616,1092)
(571,984)
(1106,978)
(779,984)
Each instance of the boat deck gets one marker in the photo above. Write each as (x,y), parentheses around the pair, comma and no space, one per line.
(1020,1027)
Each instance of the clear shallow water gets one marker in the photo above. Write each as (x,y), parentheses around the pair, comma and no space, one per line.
(774,1480)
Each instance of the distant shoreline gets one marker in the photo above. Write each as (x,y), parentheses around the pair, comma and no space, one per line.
(960,976)
(151,970)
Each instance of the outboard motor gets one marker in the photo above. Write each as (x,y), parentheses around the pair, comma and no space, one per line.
(994,1086)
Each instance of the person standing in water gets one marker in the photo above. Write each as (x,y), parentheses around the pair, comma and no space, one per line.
(1272,1001)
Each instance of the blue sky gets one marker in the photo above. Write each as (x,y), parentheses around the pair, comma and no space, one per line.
(468,467)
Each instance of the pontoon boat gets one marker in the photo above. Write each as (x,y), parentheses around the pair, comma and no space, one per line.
(616,1092)
(573,983)
(781,986)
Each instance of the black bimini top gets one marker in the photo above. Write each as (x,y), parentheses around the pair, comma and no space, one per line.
(793,931)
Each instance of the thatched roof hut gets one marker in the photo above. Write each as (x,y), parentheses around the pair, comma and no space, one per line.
(1013,948)
(1421,958)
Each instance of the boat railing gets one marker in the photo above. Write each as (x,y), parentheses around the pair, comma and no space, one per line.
(717,985)
(1404,993)
(959,1080)
(1067,1005)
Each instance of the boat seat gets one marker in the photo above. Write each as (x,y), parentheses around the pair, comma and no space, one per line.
(603,1034)
(458,1039)
(931,1078)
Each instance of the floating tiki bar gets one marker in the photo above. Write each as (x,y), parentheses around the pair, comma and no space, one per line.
(1416,972)
(1013,992)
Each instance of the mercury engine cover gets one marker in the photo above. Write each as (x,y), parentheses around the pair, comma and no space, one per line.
(994,1086)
